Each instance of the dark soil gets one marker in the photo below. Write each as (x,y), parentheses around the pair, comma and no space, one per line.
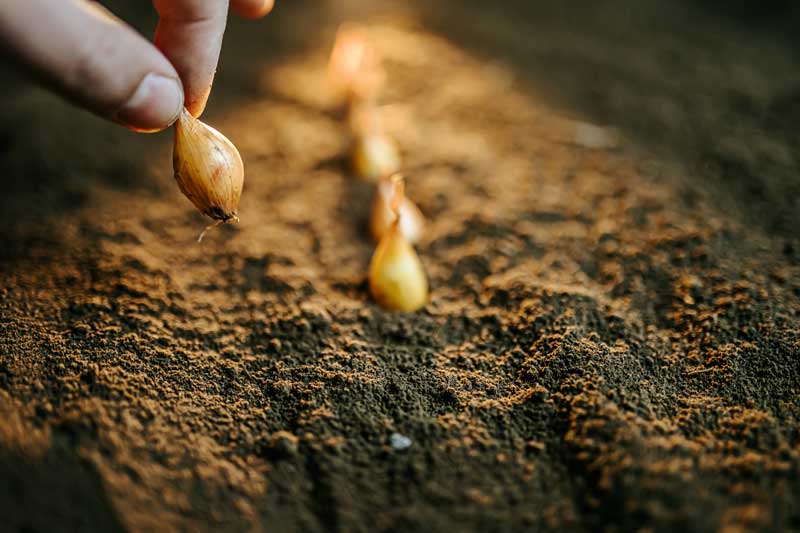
(613,340)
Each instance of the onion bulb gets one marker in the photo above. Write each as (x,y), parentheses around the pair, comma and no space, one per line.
(411,220)
(397,279)
(208,169)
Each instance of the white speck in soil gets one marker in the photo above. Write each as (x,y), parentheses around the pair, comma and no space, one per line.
(399,442)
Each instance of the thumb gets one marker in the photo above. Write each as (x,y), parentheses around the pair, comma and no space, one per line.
(94,59)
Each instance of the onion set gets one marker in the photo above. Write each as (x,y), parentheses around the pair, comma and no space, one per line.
(208,169)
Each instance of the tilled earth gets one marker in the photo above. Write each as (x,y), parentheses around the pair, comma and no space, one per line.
(612,340)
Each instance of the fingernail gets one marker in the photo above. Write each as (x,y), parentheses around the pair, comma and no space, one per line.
(154,105)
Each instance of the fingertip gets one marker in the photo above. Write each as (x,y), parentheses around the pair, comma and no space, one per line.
(252,9)
(196,103)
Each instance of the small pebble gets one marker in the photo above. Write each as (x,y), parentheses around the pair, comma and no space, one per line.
(399,442)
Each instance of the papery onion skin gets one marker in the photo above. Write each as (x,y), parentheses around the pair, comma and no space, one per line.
(208,168)
(412,221)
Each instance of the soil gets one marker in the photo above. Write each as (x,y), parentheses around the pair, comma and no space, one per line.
(612,341)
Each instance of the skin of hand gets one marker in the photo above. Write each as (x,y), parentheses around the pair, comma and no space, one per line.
(97,61)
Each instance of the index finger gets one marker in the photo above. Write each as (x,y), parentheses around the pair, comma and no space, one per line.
(189,33)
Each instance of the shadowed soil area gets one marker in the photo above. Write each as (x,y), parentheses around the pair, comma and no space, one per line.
(613,337)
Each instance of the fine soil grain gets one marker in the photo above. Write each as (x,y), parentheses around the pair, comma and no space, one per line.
(613,338)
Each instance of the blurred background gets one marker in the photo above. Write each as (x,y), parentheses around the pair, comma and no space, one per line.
(710,85)
(613,196)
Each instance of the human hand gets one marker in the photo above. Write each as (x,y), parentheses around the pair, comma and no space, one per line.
(99,62)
